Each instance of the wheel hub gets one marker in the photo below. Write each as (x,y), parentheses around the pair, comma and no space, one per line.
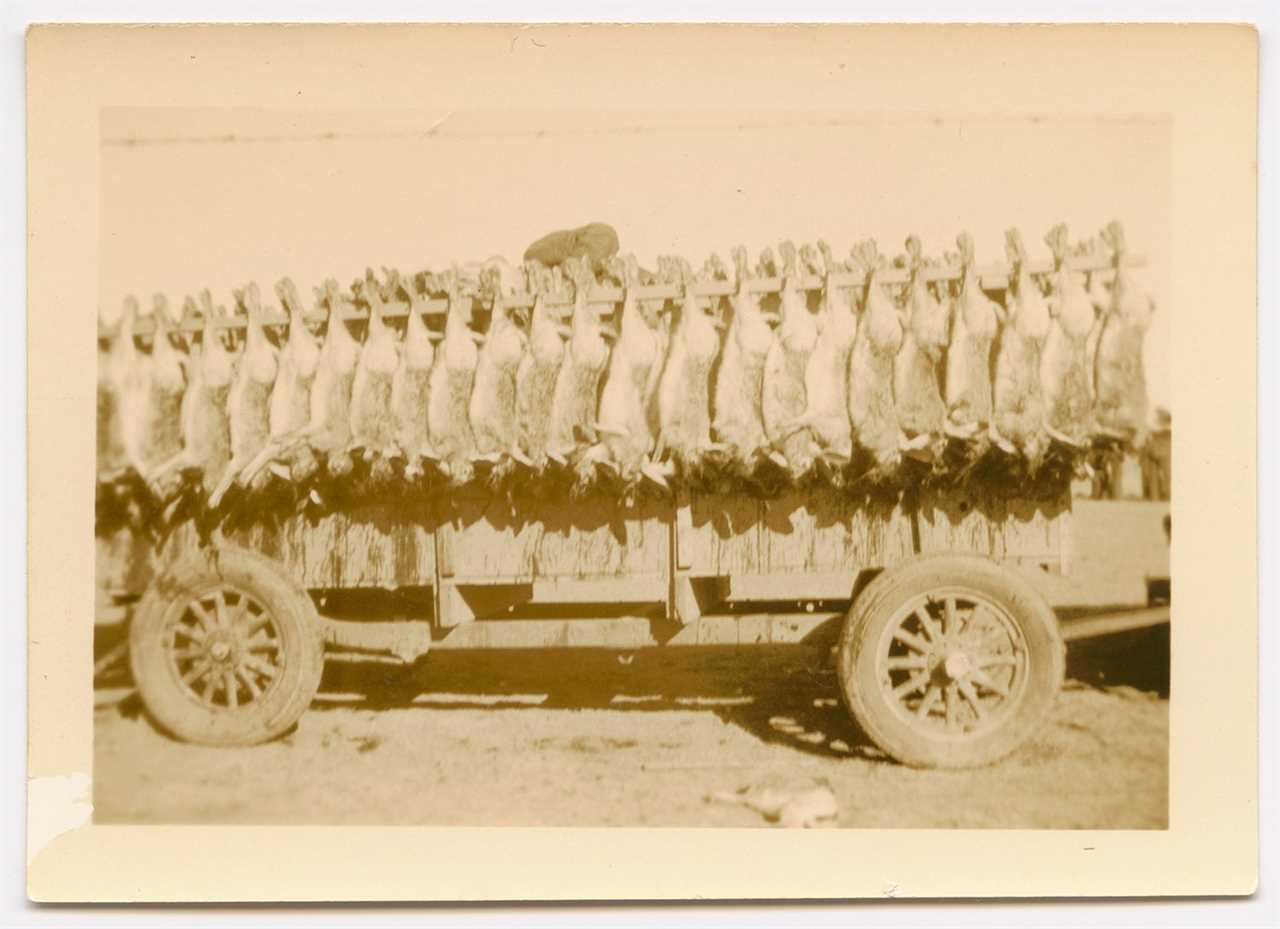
(957,665)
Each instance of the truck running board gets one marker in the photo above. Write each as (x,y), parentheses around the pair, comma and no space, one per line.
(404,641)
(1088,627)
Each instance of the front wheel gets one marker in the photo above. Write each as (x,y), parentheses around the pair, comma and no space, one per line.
(225,649)
(950,661)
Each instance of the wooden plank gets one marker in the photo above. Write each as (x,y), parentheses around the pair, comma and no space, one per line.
(826,533)
(815,532)
(1015,530)
(575,540)
(322,550)
(377,547)
(619,633)
(753,630)
(721,535)
(592,541)
(803,546)
(480,538)
(761,629)
(384,547)
(799,585)
(634,632)
(388,549)
(639,588)
(405,640)
(993,276)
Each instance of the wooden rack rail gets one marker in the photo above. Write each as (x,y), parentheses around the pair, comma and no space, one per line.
(993,277)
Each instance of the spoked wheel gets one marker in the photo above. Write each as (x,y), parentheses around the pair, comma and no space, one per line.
(954,661)
(225,650)
(950,661)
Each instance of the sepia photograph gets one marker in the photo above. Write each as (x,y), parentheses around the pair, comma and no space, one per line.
(573,463)
(632,469)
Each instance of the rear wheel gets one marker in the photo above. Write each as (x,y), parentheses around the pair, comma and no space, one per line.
(950,661)
(225,649)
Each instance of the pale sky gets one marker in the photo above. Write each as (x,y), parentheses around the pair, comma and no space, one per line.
(180,216)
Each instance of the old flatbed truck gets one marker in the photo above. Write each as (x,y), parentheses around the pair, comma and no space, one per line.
(939,612)
(949,652)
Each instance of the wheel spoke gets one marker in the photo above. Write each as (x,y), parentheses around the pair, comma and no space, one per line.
(241,610)
(987,682)
(927,624)
(257,664)
(253,622)
(911,641)
(254,690)
(183,654)
(928,702)
(971,695)
(906,663)
(950,622)
(196,672)
(950,698)
(230,680)
(995,660)
(911,685)
(261,642)
(222,611)
(192,632)
(206,692)
(207,622)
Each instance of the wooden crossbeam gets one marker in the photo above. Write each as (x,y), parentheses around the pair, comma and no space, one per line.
(994,277)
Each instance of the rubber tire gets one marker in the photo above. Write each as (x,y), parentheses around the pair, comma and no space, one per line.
(875,607)
(302,649)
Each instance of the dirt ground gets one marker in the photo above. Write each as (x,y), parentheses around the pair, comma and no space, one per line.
(602,739)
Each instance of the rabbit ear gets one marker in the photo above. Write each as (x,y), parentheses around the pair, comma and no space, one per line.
(618,269)
(864,253)
(738,254)
(1014,246)
(766,264)
(1057,241)
(686,270)
(1114,237)
(160,311)
(787,251)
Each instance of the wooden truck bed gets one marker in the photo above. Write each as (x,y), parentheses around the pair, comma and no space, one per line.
(392,584)
(478,559)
